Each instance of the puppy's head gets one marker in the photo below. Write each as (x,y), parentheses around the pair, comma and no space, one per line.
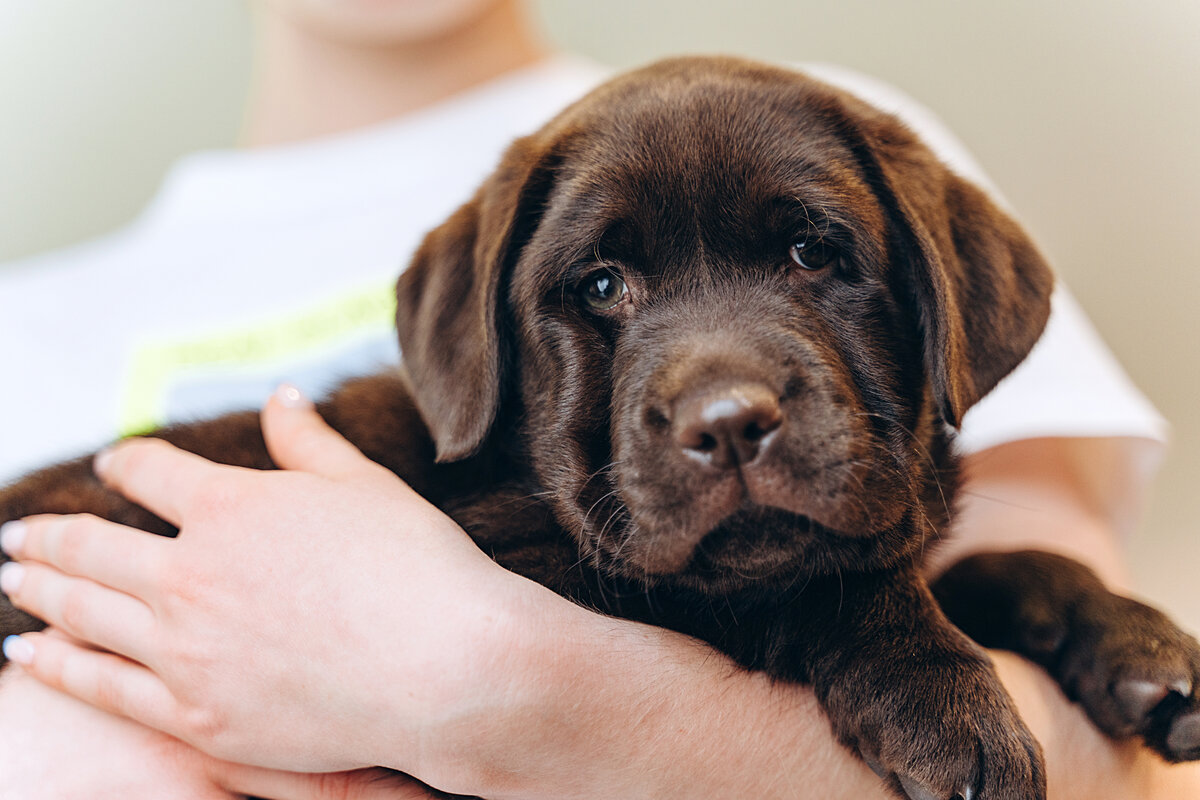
(730,311)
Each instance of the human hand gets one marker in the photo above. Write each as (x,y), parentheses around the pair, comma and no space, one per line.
(54,747)
(381,640)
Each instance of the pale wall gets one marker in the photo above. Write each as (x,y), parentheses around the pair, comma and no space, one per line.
(1087,115)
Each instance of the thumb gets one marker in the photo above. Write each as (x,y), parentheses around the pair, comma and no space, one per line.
(297,438)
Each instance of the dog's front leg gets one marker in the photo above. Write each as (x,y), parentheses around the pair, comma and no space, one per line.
(1132,669)
(915,697)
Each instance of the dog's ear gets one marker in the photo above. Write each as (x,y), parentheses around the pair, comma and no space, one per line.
(981,286)
(448,302)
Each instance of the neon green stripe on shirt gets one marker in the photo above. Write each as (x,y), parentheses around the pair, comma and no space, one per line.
(155,367)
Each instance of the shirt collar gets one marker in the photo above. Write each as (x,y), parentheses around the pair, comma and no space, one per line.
(256,185)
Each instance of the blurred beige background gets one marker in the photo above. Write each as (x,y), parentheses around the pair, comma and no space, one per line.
(1086,114)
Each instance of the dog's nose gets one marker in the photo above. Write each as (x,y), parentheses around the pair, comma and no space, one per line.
(727,426)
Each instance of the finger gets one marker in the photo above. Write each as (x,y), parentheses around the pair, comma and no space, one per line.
(103,680)
(364,784)
(155,474)
(85,546)
(80,607)
(298,438)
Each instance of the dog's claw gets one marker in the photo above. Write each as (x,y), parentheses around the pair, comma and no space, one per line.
(916,791)
(1184,738)
(876,767)
(1136,674)
(1137,698)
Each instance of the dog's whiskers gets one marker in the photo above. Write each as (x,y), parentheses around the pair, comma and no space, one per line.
(922,450)
(603,497)
(609,467)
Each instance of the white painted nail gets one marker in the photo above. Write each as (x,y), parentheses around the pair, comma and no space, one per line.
(18,650)
(12,536)
(12,575)
(101,461)
(291,397)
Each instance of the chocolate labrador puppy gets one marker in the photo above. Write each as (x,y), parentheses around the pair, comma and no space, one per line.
(692,355)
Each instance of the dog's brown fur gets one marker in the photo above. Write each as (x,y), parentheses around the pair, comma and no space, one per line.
(592,445)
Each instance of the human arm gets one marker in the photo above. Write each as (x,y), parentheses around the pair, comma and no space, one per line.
(587,706)
(1040,493)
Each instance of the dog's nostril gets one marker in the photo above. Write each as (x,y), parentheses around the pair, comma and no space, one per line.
(754,431)
(706,444)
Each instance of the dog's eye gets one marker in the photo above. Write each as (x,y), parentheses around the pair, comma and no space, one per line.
(603,290)
(813,254)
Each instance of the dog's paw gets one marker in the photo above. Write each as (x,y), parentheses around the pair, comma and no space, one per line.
(1135,673)
(949,734)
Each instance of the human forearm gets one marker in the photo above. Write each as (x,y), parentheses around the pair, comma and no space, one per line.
(1043,494)
(1080,761)
(631,711)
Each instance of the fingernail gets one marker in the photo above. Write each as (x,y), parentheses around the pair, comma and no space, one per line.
(12,536)
(291,397)
(18,650)
(102,460)
(11,576)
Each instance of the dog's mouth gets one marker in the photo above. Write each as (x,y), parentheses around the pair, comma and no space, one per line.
(751,533)
(755,544)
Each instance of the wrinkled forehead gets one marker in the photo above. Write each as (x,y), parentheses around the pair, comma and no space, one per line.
(709,163)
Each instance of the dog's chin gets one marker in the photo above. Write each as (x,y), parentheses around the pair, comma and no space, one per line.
(754,546)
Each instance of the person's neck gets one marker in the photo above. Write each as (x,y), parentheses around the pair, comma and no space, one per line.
(307,87)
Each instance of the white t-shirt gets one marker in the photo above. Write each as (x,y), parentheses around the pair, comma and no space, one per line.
(254,267)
